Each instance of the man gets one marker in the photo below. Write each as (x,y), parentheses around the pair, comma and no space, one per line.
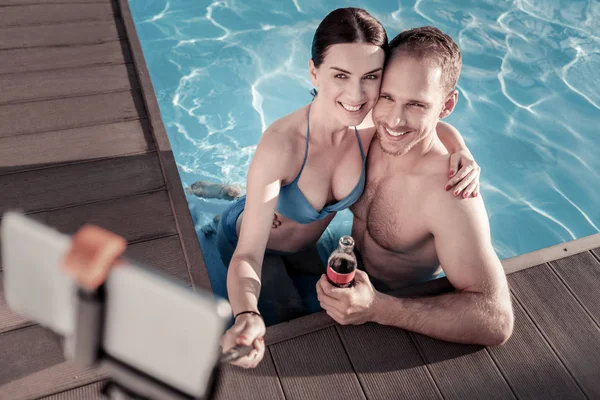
(406,228)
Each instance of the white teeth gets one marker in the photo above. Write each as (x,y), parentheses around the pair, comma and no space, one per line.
(350,108)
(396,133)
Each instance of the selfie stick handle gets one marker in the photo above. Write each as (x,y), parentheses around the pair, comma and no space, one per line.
(88,333)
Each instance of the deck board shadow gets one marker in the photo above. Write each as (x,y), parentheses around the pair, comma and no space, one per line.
(137,218)
(60,377)
(566,326)
(57,114)
(61,34)
(252,384)
(388,364)
(18,61)
(27,350)
(164,254)
(581,273)
(9,320)
(67,82)
(316,366)
(87,392)
(53,149)
(463,371)
(26,2)
(531,366)
(42,14)
(73,185)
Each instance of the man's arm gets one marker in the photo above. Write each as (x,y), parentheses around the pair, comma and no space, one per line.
(480,311)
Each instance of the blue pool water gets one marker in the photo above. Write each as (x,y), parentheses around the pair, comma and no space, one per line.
(529,105)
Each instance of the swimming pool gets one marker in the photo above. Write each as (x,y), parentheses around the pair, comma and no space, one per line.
(529,99)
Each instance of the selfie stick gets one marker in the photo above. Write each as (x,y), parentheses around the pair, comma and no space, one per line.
(127,382)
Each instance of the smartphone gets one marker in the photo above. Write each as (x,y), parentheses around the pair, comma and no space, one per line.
(152,323)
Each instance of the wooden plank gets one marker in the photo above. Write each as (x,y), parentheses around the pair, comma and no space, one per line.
(463,371)
(57,378)
(387,363)
(185,225)
(250,384)
(316,366)
(55,13)
(40,150)
(581,273)
(567,327)
(72,33)
(136,218)
(53,115)
(552,253)
(27,350)
(87,392)
(154,115)
(164,254)
(49,58)
(531,366)
(596,253)
(9,320)
(80,81)
(25,2)
(298,327)
(234,383)
(71,185)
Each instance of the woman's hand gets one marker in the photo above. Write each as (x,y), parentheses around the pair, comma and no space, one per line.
(248,330)
(464,175)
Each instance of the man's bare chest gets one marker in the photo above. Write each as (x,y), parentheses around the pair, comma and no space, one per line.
(391,209)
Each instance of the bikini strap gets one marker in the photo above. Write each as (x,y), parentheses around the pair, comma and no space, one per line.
(362,153)
(306,151)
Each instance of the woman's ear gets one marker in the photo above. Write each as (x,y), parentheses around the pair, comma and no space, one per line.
(313,71)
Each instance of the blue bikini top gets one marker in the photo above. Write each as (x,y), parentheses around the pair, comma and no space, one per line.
(293,205)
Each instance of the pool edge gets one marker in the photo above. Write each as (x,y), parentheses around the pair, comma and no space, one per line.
(187,234)
(552,253)
(179,205)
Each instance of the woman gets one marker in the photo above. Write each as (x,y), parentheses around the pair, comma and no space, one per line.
(309,165)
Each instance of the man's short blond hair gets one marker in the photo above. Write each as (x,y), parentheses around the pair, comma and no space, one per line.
(431,44)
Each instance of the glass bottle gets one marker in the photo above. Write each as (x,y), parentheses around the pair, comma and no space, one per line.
(341,265)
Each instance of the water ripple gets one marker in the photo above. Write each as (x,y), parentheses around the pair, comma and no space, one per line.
(225,70)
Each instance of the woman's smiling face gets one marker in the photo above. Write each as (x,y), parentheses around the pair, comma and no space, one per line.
(349,80)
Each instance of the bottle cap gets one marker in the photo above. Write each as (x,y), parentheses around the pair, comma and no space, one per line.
(346,241)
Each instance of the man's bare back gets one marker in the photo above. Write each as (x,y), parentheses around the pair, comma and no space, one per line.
(392,200)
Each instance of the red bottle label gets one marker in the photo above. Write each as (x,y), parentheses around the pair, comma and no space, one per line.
(339,279)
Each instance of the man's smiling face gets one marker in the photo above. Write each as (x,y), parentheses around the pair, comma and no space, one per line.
(410,104)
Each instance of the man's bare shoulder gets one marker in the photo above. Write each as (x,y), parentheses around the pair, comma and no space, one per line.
(442,205)
(443,208)
(433,170)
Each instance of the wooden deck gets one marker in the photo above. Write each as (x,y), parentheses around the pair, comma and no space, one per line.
(81,140)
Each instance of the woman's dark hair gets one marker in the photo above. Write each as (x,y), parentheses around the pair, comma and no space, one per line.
(347,25)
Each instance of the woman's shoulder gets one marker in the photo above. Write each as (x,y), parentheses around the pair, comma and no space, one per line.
(287,132)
